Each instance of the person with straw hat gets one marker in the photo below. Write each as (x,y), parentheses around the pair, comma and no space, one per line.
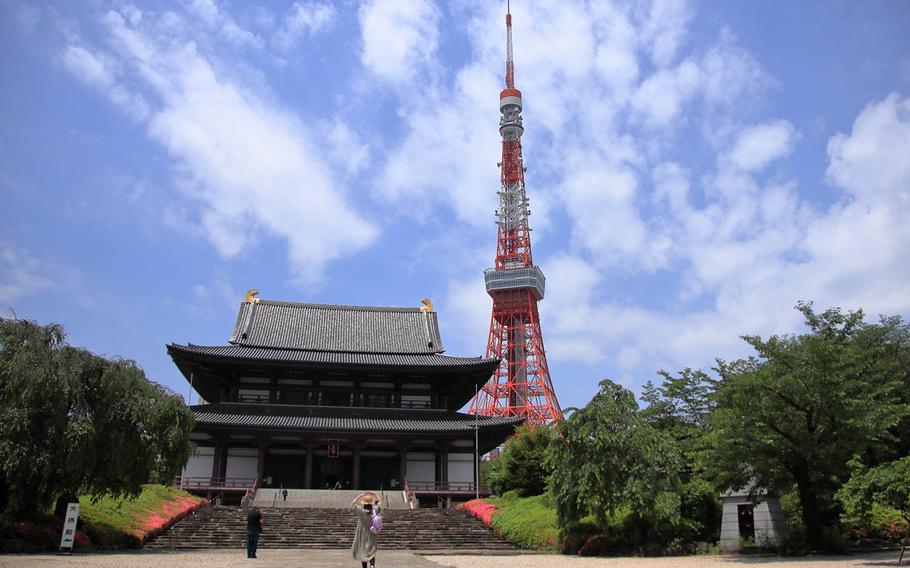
(365,542)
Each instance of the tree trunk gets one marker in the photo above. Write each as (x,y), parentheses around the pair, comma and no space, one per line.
(811,512)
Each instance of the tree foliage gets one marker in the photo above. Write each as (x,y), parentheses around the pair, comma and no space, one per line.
(76,423)
(608,457)
(797,412)
(885,485)
(681,407)
(523,464)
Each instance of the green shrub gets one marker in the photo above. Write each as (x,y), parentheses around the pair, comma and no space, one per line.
(525,522)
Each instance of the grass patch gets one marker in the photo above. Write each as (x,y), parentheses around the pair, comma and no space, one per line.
(105,523)
(527,522)
(113,521)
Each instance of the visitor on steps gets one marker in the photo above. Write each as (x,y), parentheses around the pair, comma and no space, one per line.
(253,528)
(365,506)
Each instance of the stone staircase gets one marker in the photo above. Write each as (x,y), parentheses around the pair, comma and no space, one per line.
(287,527)
(324,498)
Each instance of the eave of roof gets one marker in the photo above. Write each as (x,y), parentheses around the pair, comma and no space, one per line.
(297,356)
(344,419)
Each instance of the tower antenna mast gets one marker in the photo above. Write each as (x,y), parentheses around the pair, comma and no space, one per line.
(521,385)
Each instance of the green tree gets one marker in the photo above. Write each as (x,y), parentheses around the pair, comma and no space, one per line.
(681,407)
(607,456)
(886,485)
(76,423)
(524,467)
(796,413)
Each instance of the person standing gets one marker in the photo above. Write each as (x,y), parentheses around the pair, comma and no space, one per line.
(253,529)
(365,541)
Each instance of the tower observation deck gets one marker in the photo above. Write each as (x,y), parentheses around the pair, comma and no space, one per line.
(521,385)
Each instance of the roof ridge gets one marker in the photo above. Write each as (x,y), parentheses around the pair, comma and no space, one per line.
(344,307)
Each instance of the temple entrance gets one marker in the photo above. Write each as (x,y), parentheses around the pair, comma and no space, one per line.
(380,470)
(330,473)
(286,467)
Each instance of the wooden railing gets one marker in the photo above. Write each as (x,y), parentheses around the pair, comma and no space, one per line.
(222,483)
(440,486)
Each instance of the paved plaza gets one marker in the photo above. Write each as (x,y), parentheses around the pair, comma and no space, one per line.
(402,559)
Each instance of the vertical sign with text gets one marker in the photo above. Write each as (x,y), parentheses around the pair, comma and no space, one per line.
(69,527)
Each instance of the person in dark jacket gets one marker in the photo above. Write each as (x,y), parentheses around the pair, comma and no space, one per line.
(253,528)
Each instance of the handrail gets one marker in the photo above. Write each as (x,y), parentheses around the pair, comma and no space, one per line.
(250,494)
(409,495)
(177,529)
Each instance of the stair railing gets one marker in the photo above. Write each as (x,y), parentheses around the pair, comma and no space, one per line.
(250,495)
(177,529)
(409,496)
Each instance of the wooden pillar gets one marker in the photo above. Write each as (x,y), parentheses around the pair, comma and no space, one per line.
(355,483)
(308,473)
(260,464)
(217,458)
(402,464)
(445,462)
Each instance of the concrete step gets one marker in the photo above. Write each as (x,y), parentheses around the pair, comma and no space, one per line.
(419,529)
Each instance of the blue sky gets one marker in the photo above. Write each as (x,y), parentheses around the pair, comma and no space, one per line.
(695,169)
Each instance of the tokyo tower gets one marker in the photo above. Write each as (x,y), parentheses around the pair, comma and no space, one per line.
(521,385)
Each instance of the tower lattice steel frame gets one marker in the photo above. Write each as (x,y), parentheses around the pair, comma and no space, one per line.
(521,385)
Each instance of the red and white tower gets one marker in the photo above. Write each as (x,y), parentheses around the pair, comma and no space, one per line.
(521,385)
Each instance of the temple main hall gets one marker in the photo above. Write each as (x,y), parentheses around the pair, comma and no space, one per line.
(318,396)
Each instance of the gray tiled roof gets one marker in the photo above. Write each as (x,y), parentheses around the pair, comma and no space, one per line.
(348,329)
(342,419)
(240,352)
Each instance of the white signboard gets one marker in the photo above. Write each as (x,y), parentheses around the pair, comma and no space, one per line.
(69,526)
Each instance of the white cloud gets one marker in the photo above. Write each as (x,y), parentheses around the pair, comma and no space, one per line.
(660,98)
(731,74)
(751,255)
(873,163)
(99,70)
(665,28)
(759,145)
(345,148)
(248,166)
(21,273)
(211,15)
(444,161)
(304,19)
(399,37)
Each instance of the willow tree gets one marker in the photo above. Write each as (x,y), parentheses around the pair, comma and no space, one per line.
(608,457)
(76,423)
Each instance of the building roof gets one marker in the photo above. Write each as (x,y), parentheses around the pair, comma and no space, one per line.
(343,419)
(334,328)
(283,355)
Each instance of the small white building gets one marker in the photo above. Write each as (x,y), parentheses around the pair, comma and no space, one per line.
(755,520)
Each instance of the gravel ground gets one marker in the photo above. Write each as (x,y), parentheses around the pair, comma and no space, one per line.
(401,559)
(548,561)
(215,559)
